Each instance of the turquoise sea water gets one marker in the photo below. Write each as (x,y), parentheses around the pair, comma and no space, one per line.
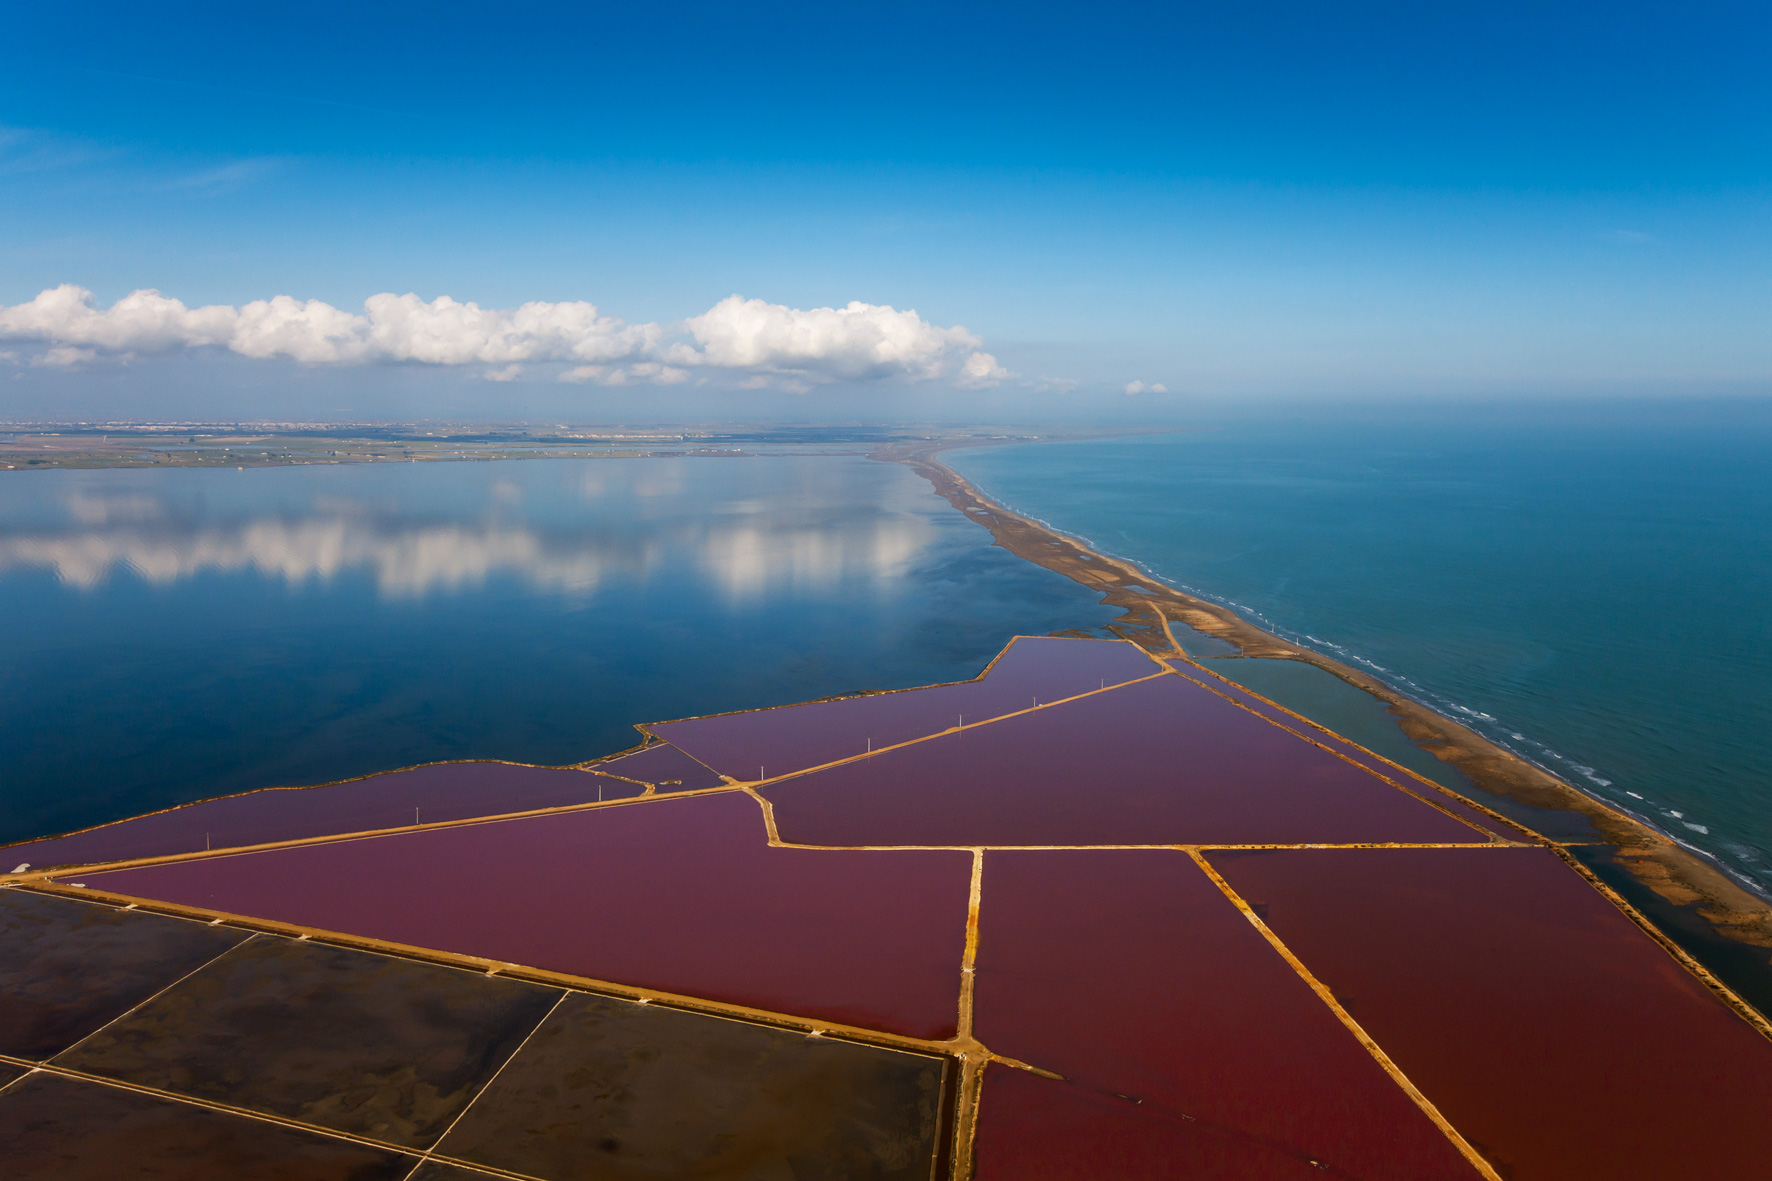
(171,635)
(1590,585)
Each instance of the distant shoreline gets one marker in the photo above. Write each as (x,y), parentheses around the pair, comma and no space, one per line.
(1676,875)
(52,446)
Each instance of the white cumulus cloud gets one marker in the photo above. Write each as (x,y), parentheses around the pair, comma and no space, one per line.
(758,343)
(65,317)
(861,340)
(444,332)
(391,328)
(1140,387)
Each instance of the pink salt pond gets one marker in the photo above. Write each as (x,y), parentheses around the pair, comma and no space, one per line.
(775,742)
(1542,1021)
(395,799)
(1312,732)
(1129,974)
(683,895)
(1157,762)
(1139,1017)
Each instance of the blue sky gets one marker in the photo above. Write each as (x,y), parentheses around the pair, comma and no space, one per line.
(1229,201)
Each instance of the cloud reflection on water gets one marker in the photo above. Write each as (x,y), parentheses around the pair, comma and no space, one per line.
(745,548)
(219,630)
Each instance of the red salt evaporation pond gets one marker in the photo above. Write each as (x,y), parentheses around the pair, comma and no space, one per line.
(793,738)
(441,791)
(663,766)
(678,894)
(1158,762)
(1183,1038)
(1036,1129)
(1354,751)
(1552,1032)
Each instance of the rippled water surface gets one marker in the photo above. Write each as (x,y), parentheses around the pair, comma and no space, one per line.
(172,635)
(1592,587)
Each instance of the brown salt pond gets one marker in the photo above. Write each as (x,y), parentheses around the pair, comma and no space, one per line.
(648,1092)
(276,1057)
(67,968)
(57,1127)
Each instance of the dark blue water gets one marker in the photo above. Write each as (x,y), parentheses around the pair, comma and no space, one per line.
(1589,585)
(171,635)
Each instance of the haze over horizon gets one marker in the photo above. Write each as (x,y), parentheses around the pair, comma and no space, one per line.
(985,214)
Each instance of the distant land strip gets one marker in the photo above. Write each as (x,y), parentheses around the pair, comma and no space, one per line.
(1683,879)
(46,446)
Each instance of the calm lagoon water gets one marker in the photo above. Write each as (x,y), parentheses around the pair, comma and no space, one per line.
(1591,586)
(173,635)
